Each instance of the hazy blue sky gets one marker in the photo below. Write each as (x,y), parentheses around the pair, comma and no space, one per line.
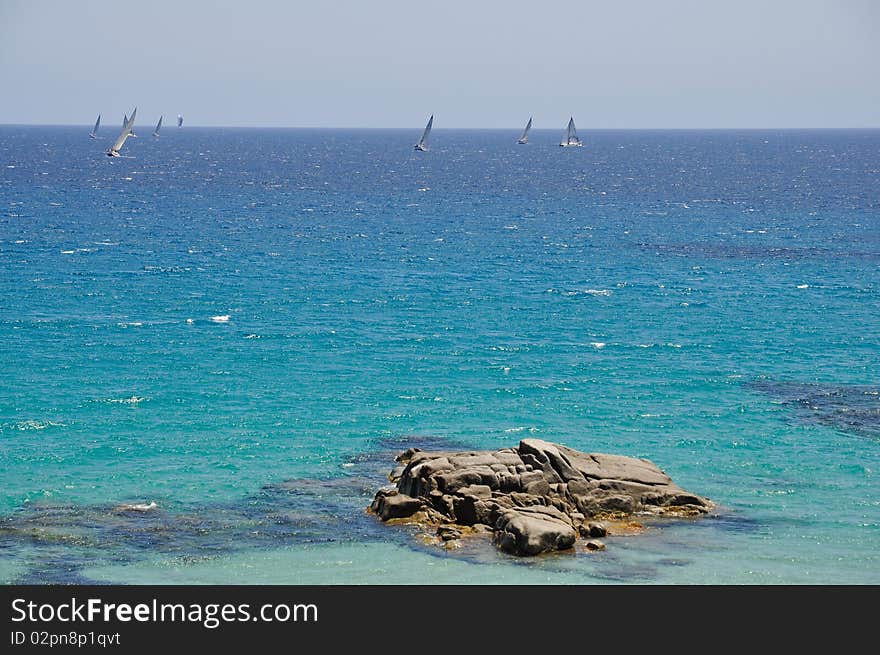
(474,63)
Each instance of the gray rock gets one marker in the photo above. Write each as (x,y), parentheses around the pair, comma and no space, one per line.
(530,476)
(533,530)
(469,510)
(538,488)
(580,487)
(543,465)
(448,533)
(601,466)
(509,482)
(592,530)
(548,452)
(535,498)
(397,506)
(481,491)
(598,530)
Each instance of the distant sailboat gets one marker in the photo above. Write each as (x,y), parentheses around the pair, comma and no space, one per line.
(94,132)
(571,137)
(423,142)
(123,135)
(179,120)
(525,135)
(158,125)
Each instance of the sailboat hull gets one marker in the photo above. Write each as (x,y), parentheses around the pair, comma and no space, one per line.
(420,147)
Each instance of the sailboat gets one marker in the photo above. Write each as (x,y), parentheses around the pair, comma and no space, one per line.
(125,122)
(525,135)
(123,135)
(179,120)
(158,125)
(94,132)
(423,142)
(571,137)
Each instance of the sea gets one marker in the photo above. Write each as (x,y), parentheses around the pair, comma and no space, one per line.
(213,347)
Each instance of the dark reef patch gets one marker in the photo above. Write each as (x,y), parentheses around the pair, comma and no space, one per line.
(58,541)
(849,408)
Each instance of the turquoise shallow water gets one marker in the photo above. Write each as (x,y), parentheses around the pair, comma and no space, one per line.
(245,325)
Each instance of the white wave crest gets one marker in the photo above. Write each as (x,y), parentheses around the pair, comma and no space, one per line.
(589,292)
(133,400)
(137,507)
(37,425)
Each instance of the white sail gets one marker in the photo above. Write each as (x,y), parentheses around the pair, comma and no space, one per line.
(123,135)
(94,133)
(179,120)
(158,125)
(571,137)
(525,135)
(130,123)
(423,142)
(120,140)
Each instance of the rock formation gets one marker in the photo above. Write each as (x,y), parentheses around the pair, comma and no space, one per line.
(535,498)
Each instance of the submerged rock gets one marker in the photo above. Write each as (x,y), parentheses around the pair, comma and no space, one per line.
(537,497)
(854,409)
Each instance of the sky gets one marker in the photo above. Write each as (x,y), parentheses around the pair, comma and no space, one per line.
(473,63)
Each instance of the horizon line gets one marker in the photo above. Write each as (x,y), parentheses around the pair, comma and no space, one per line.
(419,127)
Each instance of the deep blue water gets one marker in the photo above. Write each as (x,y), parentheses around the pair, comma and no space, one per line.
(708,300)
